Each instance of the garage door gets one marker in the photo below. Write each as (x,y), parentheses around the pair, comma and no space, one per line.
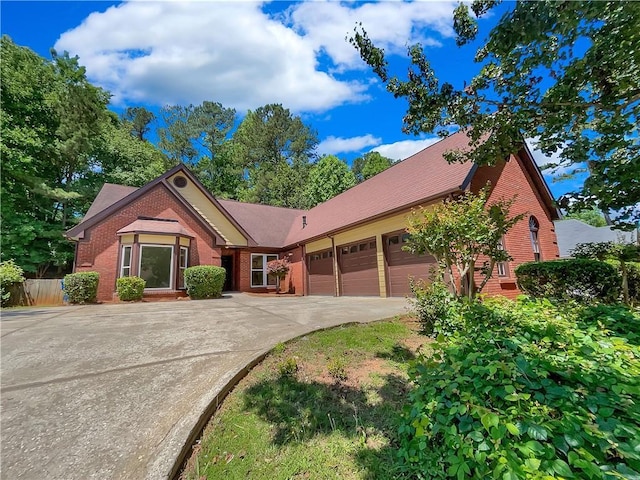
(321,279)
(401,265)
(359,268)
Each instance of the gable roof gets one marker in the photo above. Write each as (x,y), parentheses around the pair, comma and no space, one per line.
(108,195)
(570,232)
(113,194)
(267,225)
(421,177)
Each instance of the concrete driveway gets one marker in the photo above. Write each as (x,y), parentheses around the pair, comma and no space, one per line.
(115,391)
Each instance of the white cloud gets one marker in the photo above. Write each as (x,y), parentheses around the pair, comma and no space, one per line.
(333,145)
(391,25)
(563,167)
(235,53)
(404,148)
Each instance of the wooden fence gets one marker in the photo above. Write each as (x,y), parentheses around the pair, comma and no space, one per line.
(38,292)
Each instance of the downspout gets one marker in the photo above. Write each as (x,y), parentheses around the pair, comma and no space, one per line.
(336,275)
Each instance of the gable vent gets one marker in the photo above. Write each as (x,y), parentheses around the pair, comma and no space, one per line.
(180,182)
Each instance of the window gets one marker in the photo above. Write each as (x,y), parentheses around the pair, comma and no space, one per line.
(534,227)
(405,237)
(394,240)
(345,250)
(156,265)
(502,266)
(184,262)
(363,246)
(259,277)
(372,245)
(125,269)
(353,249)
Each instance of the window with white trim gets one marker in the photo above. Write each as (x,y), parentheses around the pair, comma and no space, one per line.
(502,266)
(182,265)
(534,227)
(125,264)
(259,277)
(156,266)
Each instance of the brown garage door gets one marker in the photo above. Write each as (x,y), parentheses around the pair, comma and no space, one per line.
(401,265)
(321,279)
(359,268)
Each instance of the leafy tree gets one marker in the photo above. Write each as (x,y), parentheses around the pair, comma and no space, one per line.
(275,150)
(369,165)
(591,217)
(198,135)
(460,234)
(140,120)
(51,122)
(564,72)
(328,178)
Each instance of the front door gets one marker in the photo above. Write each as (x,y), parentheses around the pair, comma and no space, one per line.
(227,264)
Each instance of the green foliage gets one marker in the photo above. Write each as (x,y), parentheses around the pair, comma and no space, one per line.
(82,287)
(566,73)
(328,178)
(369,165)
(275,150)
(288,367)
(591,217)
(130,289)
(204,281)
(623,254)
(337,369)
(10,274)
(458,233)
(433,304)
(577,279)
(527,390)
(138,119)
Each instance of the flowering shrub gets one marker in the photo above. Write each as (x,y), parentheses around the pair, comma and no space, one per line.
(279,267)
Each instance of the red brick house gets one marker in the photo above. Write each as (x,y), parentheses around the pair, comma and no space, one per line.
(349,245)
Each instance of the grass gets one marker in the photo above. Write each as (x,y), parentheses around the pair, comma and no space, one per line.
(332,417)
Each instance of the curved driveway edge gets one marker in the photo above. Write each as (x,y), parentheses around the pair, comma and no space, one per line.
(117,391)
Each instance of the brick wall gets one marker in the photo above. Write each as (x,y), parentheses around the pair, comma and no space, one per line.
(99,251)
(509,179)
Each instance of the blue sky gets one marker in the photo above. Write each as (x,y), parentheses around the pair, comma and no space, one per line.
(246,54)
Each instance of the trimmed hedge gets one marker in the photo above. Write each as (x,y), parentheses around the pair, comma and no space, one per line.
(576,279)
(82,287)
(204,281)
(130,288)
(633,279)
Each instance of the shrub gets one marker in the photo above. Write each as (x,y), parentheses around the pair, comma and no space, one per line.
(577,279)
(204,281)
(433,304)
(527,390)
(10,274)
(288,367)
(633,279)
(130,288)
(82,287)
(337,369)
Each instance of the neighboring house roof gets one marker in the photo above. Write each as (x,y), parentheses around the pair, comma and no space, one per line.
(421,177)
(267,225)
(571,232)
(161,226)
(108,195)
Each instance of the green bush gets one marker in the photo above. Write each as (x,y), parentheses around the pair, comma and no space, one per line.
(572,279)
(288,367)
(527,390)
(633,279)
(433,304)
(130,288)
(337,368)
(10,274)
(82,287)
(204,281)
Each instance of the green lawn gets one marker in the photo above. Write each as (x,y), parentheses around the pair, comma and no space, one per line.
(323,406)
